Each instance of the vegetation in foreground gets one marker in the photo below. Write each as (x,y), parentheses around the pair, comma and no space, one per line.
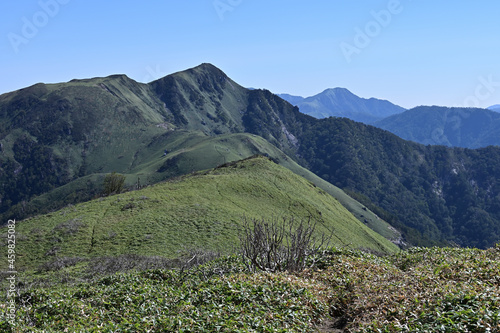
(419,290)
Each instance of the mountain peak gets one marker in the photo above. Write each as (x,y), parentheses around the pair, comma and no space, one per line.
(337,90)
(340,102)
(209,69)
(207,66)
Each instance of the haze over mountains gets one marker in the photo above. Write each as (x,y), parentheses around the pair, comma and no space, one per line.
(61,139)
(452,127)
(340,102)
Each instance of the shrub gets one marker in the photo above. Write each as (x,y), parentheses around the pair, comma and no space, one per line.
(113,183)
(278,246)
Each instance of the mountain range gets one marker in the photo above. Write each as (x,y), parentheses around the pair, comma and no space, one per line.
(340,102)
(58,141)
(453,127)
(434,125)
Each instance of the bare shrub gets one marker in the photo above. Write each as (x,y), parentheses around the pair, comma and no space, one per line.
(280,245)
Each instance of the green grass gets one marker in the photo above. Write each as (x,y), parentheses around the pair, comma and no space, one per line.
(193,151)
(420,290)
(199,211)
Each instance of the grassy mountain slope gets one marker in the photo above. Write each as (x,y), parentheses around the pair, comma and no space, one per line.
(453,127)
(437,195)
(199,211)
(188,152)
(53,134)
(82,129)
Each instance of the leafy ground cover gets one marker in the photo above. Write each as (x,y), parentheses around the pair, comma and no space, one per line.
(419,290)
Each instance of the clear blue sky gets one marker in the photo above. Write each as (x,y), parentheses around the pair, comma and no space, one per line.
(417,52)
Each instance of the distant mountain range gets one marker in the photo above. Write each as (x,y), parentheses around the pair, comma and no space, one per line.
(495,107)
(340,102)
(57,141)
(453,127)
(429,125)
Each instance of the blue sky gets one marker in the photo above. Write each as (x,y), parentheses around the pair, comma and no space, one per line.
(411,52)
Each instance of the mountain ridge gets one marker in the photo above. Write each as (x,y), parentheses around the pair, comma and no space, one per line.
(113,123)
(340,102)
(452,127)
(141,129)
(203,210)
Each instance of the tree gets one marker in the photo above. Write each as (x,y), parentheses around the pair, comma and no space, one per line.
(113,183)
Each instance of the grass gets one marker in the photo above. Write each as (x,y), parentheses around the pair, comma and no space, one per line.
(419,290)
(188,152)
(204,210)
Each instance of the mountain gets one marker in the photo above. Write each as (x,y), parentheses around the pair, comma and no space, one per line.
(340,102)
(453,127)
(204,210)
(59,137)
(294,100)
(495,107)
(58,141)
(53,135)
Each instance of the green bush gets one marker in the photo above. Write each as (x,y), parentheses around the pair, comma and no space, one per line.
(113,183)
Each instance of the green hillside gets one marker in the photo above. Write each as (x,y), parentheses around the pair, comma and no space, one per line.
(190,151)
(57,141)
(199,211)
(62,138)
